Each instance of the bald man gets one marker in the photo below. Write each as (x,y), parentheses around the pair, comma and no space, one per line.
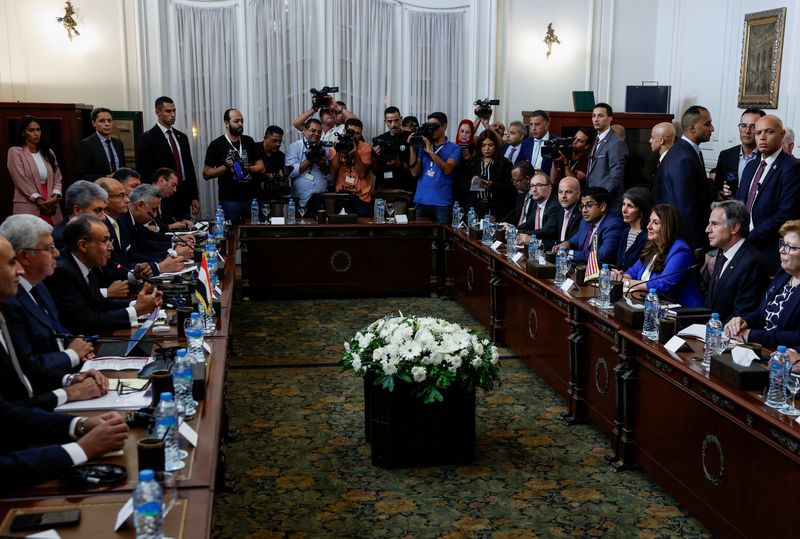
(770,189)
(662,137)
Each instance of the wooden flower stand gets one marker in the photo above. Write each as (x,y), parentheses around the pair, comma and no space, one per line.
(405,432)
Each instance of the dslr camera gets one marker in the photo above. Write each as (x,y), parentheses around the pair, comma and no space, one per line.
(425,131)
(315,153)
(483,107)
(321,99)
(345,142)
(238,164)
(391,147)
(553,148)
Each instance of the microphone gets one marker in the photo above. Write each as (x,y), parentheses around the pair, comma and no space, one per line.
(161,224)
(684,270)
(137,274)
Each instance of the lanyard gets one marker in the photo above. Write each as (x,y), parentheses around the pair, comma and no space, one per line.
(237,150)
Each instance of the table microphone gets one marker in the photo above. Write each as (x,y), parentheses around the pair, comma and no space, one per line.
(688,268)
(142,277)
(161,223)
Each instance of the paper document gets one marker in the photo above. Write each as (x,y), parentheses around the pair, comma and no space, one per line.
(110,401)
(187,269)
(116,363)
(698,331)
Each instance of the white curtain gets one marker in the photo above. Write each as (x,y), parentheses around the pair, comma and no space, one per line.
(436,67)
(203,53)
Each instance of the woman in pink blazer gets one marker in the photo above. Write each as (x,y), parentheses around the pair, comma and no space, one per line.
(35,172)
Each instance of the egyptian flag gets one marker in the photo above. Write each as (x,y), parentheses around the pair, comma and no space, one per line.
(203,291)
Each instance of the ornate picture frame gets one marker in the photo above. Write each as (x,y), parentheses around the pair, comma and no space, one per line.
(762,50)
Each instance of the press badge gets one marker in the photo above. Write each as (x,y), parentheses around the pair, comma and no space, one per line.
(308,176)
(430,173)
(349,179)
(388,175)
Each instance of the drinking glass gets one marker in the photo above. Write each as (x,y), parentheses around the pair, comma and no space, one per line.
(390,211)
(793,385)
(265,209)
(302,212)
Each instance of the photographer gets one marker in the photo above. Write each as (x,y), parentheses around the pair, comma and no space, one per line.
(310,163)
(433,164)
(274,182)
(351,158)
(391,149)
(233,158)
(329,110)
(577,163)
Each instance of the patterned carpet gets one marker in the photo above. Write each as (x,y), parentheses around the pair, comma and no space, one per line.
(300,467)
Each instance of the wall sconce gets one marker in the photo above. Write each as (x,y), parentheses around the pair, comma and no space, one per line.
(68,21)
(550,38)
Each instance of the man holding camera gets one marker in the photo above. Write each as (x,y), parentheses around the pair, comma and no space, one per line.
(332,114)
(391,150)
(310,163)
(274,183)
(233,158)
(434,164)
(576,164)
(351,158)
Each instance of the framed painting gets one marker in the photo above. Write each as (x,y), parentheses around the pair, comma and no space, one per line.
(762,48)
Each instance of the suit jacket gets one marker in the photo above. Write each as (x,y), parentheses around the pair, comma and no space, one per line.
(525,151)
(33,329)
(607,167)
(551,232)
(83,310)
(153,151)
(626,258)
(682,182)
(519,203)
(21,464)
(741,286)
(786,331)
(776,203)
(58,233)
(609,234)
(144,245)
(676,284)
(727,162)
(552,212)
(25,175)
(91,161)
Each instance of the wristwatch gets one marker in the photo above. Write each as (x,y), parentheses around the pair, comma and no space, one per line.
(70,380)
(80,427)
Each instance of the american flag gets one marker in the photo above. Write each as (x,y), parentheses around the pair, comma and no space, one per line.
(592,269)
(203,291)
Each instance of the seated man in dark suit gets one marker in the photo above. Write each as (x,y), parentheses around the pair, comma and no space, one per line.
(32,315)
(99,154)
(734,275)
(521,175)
(770,190)
(24,382)
(545,206)
(599,222)
(74,287)
(166,181)
(569,218)
(129,178)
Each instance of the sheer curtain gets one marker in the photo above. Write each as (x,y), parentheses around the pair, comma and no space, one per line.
(203,57)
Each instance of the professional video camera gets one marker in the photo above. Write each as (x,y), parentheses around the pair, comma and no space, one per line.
(553,148)
(238,164)
(392,147)
(321,99)
(345,143)
(426,130)
(315,153)
(483,107)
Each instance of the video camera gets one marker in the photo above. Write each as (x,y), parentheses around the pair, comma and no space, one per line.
(425,131)
(315,153)
(391,146)
(553,148)
(483,107)
(345,143)
(321,99)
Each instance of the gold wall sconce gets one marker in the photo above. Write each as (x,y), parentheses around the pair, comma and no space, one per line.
(68,21)
(550,38)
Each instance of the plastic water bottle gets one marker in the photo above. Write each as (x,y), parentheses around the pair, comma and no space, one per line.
(539,251)
(604,298)
(167,418)
(254,211)
(456,215)
(182,379)
(147,503)
(211,260)
(511,241)
(651,316)
(713,344)
(290,213)
(485,226)
(776,395)
(209,321)
(194,335)
(380,211)
(561,266)
(472,217)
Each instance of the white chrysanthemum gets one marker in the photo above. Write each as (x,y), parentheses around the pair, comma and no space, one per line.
(364,340)
(346,346)
(495,355)
(419,373)
(357,365)
(377,354)
(477,361)
(389,368)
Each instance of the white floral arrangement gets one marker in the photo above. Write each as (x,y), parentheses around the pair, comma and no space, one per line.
(427,351)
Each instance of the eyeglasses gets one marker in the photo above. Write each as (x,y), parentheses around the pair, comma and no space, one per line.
(588,205)
(104,241)
(747,127)
(124,389)
(538,185)
(51,248)
(122,196)
(784,247)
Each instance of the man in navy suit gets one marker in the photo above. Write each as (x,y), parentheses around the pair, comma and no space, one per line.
(99,154)
(770,188)
(598,222)
(518,148)
(544,207)
(681,180)
(569,217)
(539,126)
(733,160)
(607,157)
(165,146)
(734,276)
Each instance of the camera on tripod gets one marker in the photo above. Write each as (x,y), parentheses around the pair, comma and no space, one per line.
(425,131)
(483,107)
(553,148)
(321,99)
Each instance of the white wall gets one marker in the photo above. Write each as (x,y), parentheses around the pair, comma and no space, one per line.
(39,63)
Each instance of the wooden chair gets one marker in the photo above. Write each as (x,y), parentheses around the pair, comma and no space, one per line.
(402,199)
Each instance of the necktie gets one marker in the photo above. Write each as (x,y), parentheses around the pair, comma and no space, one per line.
(718,263)
(702,161)
(175,154)
(112,163)
(565,225)
(524,213)
(538,220)
(588,241)
(115,226)
(6,343)
(94,288)
(751,195)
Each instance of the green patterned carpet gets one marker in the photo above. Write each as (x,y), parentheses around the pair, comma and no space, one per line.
(300,467)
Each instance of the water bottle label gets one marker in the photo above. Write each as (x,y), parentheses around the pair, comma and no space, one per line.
(166,421)
(149,509)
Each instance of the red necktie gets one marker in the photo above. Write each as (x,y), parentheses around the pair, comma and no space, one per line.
(175,154)
(751,195)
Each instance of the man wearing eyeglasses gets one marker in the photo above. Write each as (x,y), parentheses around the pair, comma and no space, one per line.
(544,207)
(734,159)
(598,223)
(74,287)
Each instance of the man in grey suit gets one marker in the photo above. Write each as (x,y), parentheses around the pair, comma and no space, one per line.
(608,156)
